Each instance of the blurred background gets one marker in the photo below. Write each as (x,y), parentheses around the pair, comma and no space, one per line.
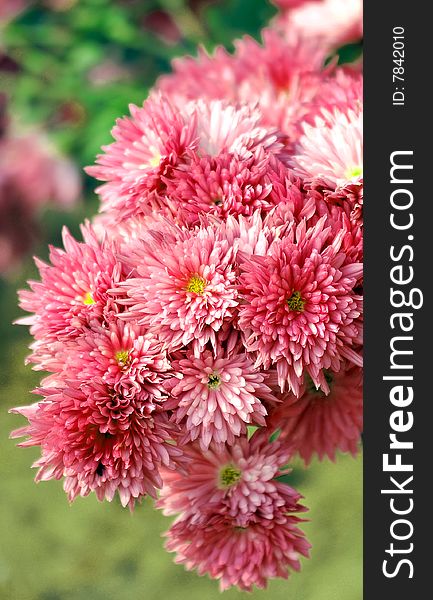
(68,68)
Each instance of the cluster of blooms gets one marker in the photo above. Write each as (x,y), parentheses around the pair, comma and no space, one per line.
(31,175)
(209,326)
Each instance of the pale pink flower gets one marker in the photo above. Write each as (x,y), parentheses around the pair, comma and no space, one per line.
(146,145)
(331,23)
(73,290)
(184,289)
(228,185)
(100,441)
(330,151)
(217,397)
(318,423)
(300,310)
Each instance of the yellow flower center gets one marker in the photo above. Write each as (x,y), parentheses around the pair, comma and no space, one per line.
(88,299)
(196,285)
(155,160)
(229,475)
(354,172)
(296,302)
(122,357)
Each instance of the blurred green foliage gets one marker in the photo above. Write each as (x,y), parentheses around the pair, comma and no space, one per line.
(73,72)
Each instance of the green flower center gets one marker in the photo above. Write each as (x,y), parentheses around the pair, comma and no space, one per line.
(88,299)
(296,302)
(354,172)
(196,285)
(213,381)
(229,475)
(122,357)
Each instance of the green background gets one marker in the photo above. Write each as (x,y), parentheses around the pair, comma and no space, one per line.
(90,551)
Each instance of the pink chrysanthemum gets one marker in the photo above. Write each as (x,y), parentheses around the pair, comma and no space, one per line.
(242,556)
(331,150)
(331,23)
(147,144)
(217,396)
(221,186)
(319,423)
(240,481)
(73,290)
(157,138)
(300,308)
(280,77)
(184,289)
(99,441)
(236,519)
(120,355)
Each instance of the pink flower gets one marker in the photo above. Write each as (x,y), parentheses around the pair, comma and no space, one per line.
(331,23)
(242,556)
(217,396)
(100,441)
(158,138)
(236,520)
(280,77)
(299,307)
(146,145)
(184,289)
(221,186)
(240,481)
(319,423)
(120,355)
(73,290)
(330,150)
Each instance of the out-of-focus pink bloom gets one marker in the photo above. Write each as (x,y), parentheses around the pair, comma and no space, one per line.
(319,423)
(300,308)
(100,441)
(286,4)
(280,77)
(10,9)
(108,71)
(217,396)
(31,176)
(331,23)
(160,23)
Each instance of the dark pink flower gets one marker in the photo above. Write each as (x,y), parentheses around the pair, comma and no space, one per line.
(299,306)
(99,440)
(320,424)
